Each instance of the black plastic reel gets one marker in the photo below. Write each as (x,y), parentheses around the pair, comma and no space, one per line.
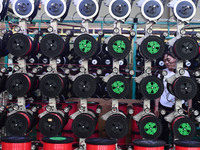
(83,126)
(118,87)
(117,126)
(150,127)
(18,123)
(183,128)
(152,47)
(186,48)
(52,85)
(53,45)
(51,124)
(84,86)
(185,88)
(151,87)
(85,46)
(19,45)
(19,84)
(119,46)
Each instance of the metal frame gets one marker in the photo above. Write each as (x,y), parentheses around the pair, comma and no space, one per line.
(101,22)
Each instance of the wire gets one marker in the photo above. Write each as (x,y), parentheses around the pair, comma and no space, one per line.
(41,18)
(73,18)
(105,21)
(142,18)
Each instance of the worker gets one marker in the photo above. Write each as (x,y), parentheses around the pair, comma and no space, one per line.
(167,100)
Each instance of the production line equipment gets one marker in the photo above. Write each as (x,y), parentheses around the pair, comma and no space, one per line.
(183,48)
(151,48)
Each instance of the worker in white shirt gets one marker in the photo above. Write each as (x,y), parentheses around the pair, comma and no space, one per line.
(167,100)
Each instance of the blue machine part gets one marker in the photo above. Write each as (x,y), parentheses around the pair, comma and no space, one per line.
(184,9)
(23,7)
(87,8)
(120,8)
(55,7)
(152,9)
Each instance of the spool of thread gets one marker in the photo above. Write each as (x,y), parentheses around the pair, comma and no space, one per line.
(100,144)
(187,145)
(16,143)
(148,145)
(57,143)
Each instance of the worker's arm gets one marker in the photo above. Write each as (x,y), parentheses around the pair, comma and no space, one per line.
(156,108)
(189,106)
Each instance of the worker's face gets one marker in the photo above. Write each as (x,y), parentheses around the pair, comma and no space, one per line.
(170,62)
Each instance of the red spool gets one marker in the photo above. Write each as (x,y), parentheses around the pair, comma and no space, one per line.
(176,120)
(30,48)
(136,136)
(122,107)
(39,136)
(100,144)
(100,147)
(148,148)
(95,134)
(27,118)
(57,143)
(122,141)
(148,145)
(68,126)
(29,81)
(37,49)
(187,145)
(41,110)
(16,143)
(93,106)
(199,50)
(186,148)
(69,133)
(137,107)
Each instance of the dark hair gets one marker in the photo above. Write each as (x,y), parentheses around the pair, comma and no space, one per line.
(167,52)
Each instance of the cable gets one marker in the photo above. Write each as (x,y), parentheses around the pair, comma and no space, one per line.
(73,18)
(41,18)
(142,18)
(105,21)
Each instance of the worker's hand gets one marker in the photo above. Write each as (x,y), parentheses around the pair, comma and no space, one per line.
(156,111)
